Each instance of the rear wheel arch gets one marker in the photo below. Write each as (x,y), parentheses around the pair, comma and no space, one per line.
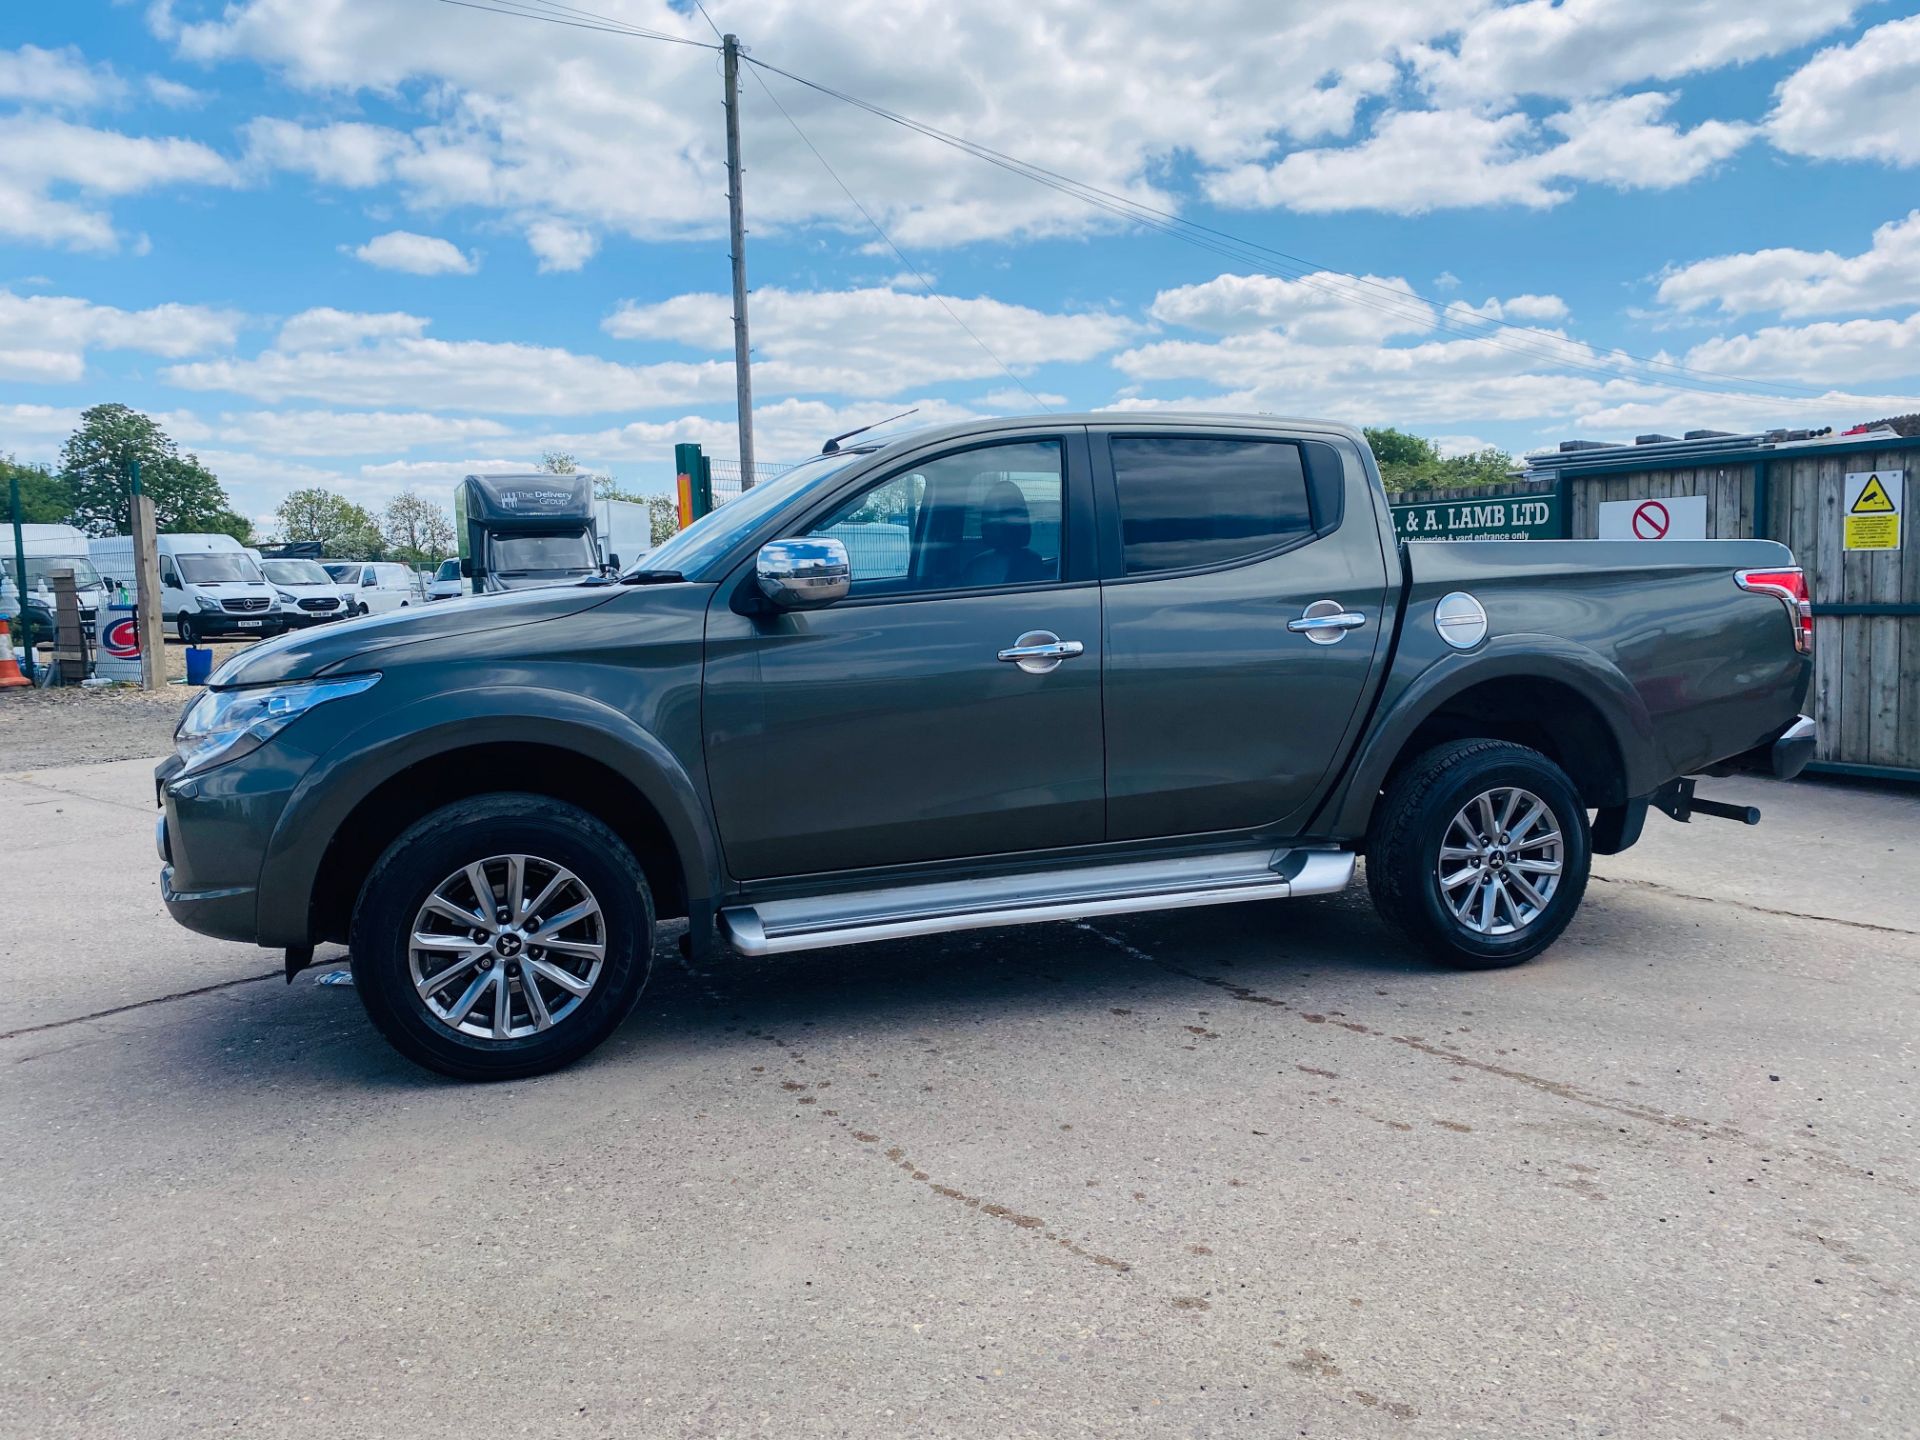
(1560,699)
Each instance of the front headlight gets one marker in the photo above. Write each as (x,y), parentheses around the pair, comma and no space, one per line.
(223,725)
(206,602)
(285,598)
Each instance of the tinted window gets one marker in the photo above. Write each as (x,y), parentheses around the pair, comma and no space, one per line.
(1193,501)
(987,516)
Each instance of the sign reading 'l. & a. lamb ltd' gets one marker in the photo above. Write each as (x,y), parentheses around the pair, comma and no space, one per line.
(1505,517)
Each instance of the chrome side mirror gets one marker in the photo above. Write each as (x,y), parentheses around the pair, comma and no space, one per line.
(803,574)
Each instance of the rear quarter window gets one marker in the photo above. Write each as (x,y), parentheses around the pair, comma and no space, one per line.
(1188,501)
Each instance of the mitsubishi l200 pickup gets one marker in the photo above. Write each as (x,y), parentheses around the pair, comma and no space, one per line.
(989,674)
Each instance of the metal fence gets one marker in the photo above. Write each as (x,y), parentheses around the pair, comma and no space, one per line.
(726,476)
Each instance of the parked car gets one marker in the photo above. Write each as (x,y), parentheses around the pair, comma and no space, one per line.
(307,593)
(446,584)
(379,585)
(1126,662)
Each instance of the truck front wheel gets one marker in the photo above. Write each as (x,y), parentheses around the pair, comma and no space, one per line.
(1479,851)
(502,937)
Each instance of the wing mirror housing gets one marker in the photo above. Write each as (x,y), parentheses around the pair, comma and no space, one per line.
(803,574)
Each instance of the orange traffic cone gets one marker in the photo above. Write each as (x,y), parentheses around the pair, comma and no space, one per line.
(10,675)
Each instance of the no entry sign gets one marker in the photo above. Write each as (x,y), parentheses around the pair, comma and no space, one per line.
(1676,517)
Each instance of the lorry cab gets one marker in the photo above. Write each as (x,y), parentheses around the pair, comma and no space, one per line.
(520,532)
(210,585)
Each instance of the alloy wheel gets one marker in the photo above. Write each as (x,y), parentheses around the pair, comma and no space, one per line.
(507,947)
(1501,859)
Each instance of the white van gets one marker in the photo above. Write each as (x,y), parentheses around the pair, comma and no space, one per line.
(308,595)
(209,585)
(381,585)
(49,548)
(446,583)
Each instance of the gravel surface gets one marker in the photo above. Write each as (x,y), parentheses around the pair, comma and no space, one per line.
(85,726)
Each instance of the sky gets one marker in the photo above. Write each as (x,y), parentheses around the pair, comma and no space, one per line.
(379,244)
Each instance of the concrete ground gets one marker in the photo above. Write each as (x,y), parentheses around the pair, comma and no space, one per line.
(1249,1171)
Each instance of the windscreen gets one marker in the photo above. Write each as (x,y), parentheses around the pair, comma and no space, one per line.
(527,554)
(718,531)
(296,572)
(218,567)
(347,572)
(40,570)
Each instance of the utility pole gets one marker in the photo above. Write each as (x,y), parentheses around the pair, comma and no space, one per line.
(737,234)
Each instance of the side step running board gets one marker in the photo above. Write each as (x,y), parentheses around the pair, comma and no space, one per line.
(814,922)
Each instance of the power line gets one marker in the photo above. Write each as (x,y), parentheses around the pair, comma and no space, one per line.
(1529,338)
(554,14)
(899,254)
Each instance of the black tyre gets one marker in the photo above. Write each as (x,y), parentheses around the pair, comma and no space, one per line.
(185,629)
(524,978)
(1479,852)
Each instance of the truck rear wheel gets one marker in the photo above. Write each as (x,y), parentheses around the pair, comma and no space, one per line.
(502,937)
(1479,852)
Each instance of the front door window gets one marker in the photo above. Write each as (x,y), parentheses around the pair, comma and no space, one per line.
(979,518)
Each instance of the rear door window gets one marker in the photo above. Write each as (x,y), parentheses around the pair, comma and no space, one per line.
(1189,501)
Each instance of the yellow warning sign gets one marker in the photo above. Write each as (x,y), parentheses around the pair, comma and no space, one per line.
(1874,499)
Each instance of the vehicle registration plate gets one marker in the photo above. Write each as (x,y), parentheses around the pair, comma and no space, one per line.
(248,624)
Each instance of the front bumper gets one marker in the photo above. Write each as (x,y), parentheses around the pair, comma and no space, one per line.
(209,622)
(212,835)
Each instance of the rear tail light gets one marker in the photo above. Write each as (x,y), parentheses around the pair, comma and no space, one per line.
(1790,584)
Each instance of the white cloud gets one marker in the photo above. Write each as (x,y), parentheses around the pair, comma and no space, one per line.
(35,432)
(543,122)
(1322,306)
(1804,282)
(1421,160)
(34,76)
(343,359)
(1008,400)
(415,254)
(1525,309)
(561,247)
(173,94)
(1827,350)
(1574,49)
(43,160)
(1855,102)
(328,329)
(352,155)
(874,341)
(47,337)
(333,432)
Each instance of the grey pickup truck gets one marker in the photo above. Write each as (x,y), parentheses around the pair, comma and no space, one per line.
(993,673)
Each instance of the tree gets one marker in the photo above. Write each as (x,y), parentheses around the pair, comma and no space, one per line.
(97,465)
(340,526)
(559,462)
(45,498)
(663,518)
(416,530)
(1412,462)
(1398,449)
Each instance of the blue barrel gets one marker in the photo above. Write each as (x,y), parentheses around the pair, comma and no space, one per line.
(199,664)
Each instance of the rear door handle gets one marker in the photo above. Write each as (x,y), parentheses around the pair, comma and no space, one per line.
(1039,651)
(1325,621)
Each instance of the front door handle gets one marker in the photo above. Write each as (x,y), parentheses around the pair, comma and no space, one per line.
(1039,651)
(1325,621)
